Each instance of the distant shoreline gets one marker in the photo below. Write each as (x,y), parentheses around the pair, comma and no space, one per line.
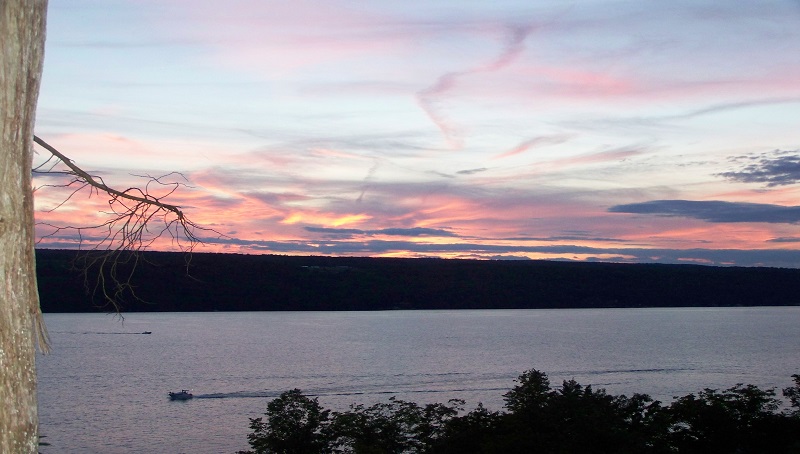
(235,282)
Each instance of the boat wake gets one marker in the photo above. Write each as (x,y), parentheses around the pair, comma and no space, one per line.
(335,393)
(452,384)
(100,332)
(656,370)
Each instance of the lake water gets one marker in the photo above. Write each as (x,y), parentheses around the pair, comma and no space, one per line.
(104,387)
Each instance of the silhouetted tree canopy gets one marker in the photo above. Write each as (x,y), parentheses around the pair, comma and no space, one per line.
(540,419)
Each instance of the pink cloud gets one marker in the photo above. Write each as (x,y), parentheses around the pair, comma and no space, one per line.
(280,38)
(109,150)
(581,82)
(557,85)
(535,142)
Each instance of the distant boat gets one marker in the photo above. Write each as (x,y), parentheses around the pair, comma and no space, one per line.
(147,332)
(184,394)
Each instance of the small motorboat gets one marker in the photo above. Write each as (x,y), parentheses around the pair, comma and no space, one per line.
(184,394)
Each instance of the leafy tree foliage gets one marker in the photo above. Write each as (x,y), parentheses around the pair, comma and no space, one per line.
(530,394)
(793,393)
(722,421)
(576,419)
(540,419)
(394,427)
(476,431)
(295,424)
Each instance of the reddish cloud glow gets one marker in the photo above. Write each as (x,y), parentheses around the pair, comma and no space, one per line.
(510,129)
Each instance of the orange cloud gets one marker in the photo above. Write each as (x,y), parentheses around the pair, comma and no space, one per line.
(324,219)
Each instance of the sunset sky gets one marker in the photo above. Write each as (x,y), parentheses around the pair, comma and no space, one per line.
(626,131)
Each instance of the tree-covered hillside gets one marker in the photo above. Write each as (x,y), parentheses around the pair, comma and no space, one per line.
(233,282)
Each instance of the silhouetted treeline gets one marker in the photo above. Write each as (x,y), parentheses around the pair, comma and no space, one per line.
(572,419)
(234,282)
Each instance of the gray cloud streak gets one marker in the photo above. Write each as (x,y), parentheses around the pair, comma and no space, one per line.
(714,211)
(776,168)
(472,171)
(721,257)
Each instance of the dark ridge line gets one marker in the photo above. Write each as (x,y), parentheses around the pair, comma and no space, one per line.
(235,282)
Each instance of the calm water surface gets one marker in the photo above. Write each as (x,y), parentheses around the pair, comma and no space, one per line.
(104,387)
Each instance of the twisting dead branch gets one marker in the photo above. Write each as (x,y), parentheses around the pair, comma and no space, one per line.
(136,218)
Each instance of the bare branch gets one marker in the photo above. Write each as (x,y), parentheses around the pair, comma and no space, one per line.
(136,218)
(100,185)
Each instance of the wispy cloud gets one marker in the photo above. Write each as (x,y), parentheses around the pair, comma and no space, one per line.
(613,155)
(533,143)
(472,171)
(370,174)
(430,98)
(785,239)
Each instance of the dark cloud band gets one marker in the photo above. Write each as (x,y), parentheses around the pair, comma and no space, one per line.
(723,257)
(714,211)
(777,168)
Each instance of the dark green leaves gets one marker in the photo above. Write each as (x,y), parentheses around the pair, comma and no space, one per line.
(570,419)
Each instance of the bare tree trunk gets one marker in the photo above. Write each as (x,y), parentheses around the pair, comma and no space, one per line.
(22,30)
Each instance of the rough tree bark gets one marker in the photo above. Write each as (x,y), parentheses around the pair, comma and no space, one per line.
(22,30)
